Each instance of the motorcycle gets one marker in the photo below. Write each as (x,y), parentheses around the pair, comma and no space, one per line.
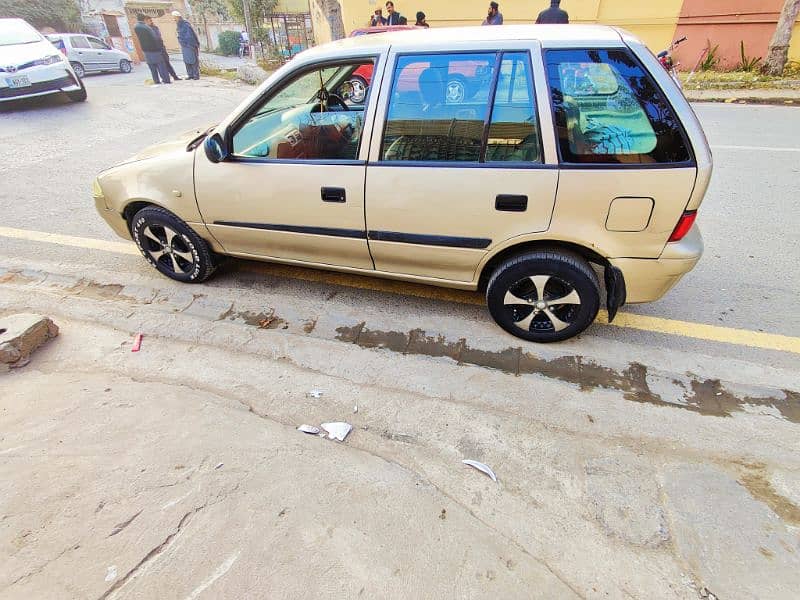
(665,58)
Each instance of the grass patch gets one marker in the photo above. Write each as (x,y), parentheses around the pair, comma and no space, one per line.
(709,80)
(212,71)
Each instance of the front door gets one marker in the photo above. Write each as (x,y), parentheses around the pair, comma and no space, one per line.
(105,57)
(293,188)
(83,52)
(460,166)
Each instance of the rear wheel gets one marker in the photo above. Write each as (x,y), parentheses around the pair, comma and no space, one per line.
(78,95)
(125,66)
(171,246)
(544,296)
(79,70)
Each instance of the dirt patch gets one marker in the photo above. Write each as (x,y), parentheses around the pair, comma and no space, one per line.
(756,482)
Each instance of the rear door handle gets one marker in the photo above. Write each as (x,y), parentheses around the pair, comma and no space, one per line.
(511,203)
(332,194)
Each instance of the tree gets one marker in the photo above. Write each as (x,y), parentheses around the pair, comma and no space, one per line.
(778,52)
(61,15)
(259,9)
(204,8)
(333,13)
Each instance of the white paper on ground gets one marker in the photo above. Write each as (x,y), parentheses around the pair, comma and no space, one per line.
(308,429)
(481,467)
(337,431)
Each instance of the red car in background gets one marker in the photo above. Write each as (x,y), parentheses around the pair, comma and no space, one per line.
(465,77)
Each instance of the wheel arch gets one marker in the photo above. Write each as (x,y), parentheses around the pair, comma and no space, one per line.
(507,252)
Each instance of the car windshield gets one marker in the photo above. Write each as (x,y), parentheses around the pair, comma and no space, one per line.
(14,32)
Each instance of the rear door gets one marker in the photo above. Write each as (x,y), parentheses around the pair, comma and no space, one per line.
(459,164)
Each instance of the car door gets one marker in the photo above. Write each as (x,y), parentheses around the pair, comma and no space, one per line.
(83,53)
(460,165)
(105,57)
(293,186)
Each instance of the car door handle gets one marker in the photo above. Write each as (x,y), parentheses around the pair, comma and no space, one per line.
(331,194)
(511,203)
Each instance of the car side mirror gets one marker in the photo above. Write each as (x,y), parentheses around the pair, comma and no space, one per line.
(215,148)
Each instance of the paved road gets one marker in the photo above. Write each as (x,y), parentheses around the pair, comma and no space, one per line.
(631,462)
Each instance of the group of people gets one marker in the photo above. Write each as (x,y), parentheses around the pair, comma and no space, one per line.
(155,53)
(551,16)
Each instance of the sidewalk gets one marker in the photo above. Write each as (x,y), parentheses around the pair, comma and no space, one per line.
(749,96)
(211,59)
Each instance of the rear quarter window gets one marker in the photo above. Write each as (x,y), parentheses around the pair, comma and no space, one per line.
(608,109)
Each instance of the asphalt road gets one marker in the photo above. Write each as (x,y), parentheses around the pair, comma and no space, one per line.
(748,278)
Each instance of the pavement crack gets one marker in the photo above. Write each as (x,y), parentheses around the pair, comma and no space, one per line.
(119,527)
(41,567)
(152,555)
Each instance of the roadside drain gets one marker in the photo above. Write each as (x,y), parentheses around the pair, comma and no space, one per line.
(703,396)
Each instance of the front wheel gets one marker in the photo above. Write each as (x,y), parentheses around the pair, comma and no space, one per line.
(171,246)
(124,66)
(79,70)
(544,296)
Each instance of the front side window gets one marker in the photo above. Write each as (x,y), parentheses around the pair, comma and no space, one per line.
(609,110)
(316,116)
(97,44)
(443,109)
(78,41)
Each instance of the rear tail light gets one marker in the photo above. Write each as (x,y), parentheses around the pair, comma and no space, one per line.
(684,225)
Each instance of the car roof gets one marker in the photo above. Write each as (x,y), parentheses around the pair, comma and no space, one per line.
(549,35)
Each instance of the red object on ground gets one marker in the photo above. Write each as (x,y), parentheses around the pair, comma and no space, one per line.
(137,342)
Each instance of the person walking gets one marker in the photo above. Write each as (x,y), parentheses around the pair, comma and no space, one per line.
(553,15)
(151,24)
(495,17)
(190,46)
(148,42)
(392,17)
(421,22)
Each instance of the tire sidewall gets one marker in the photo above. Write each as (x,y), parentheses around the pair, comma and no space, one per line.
(125,66)
(80,72)
(587,288)
(141,221)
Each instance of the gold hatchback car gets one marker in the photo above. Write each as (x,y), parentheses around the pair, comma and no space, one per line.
(527,161)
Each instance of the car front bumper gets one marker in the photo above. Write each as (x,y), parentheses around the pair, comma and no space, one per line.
(45,79)
(647,280)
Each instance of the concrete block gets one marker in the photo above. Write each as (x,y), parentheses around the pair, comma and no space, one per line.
(21,335)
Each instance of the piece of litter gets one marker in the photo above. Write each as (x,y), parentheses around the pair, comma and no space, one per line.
(111,573)
(315,394)
(355,409)
(137,342)
(719,393)
(219,466)
(337,431)
(308,429)
(481,467)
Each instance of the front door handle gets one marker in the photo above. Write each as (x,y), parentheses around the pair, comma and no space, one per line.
(331,194)
(511,203)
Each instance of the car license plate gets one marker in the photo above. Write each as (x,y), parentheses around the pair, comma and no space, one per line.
(19,81)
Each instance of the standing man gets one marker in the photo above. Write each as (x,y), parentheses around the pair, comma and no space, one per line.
(392,17)
(495,17)
(377,18)
(190,46)
(151,24)
(553,15)
(152,50)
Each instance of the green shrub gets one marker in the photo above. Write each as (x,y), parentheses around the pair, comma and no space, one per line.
(747,63)
(229,42)
(711,59)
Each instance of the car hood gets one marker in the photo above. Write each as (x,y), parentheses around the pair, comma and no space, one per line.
(19,54)
(178,143)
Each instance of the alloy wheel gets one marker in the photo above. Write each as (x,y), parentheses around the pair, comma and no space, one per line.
(542,303)
(169,249)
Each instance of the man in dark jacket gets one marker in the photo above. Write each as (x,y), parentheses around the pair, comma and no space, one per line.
(152,50)
(553,15)
(151,24)
(190,46)
(392,17)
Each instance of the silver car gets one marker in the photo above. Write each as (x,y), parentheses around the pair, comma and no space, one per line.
(89,54)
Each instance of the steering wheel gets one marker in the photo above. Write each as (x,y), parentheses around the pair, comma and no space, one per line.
(332,99)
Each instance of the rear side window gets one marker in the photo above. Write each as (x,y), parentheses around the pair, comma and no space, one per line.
(78,41)
(609,110)
(462,107)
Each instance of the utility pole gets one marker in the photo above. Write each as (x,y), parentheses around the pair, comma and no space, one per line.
(248,26)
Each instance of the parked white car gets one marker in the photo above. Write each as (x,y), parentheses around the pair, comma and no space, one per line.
(89,54)
(31,66)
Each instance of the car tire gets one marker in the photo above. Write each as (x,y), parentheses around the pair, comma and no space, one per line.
(171,246)
(544,296)
(360,89)
(125,66)
(79,95)
(79,70)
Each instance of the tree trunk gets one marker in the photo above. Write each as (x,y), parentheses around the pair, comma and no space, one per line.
(333,12)
(778,52)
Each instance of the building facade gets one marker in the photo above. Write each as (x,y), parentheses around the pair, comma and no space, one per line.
(719,22)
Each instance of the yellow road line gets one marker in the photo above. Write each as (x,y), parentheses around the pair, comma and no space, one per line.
(699,331)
